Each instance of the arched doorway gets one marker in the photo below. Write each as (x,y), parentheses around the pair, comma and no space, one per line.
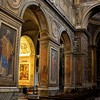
(98,65)
(61,67)
(26,62)
(65,68)
(97,41)
(35,27)
(29,57)
(92,24)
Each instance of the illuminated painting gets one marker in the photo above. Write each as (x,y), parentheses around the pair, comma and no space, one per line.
(26,62)
(24,72)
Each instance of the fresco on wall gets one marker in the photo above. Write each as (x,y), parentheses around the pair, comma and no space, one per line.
(7,43)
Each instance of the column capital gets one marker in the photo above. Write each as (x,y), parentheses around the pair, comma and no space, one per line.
(68,53)
(82,31)
(44,33)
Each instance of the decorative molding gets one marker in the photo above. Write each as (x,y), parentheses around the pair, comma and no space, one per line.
(64,19)
(10,14)
(14,3)
(8,96)
(54,29)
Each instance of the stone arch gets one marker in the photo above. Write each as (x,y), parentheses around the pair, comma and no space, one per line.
(27,51)
(39,12)
(36,26)
(66,37)
(88,12)
(97,53)
(97,36)
(68,59)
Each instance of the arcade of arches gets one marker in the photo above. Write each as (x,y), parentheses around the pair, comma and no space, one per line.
(51,47)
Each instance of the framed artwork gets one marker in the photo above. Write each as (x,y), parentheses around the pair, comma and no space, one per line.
(53,66)
(7,54)
(24,72)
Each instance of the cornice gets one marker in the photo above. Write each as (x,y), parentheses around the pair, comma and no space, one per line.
(12,15)
(64,19)
(83,30)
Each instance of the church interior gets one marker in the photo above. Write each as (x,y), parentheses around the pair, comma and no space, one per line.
(49,49)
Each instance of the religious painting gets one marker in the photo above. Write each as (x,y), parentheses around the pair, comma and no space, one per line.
(53,65)
(7,51)
(24,72)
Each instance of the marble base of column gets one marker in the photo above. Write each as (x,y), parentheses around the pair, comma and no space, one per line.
(9,93)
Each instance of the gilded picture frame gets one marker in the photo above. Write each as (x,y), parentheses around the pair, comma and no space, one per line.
(7,54)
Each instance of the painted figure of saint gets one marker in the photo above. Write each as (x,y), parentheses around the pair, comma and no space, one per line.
(6,51)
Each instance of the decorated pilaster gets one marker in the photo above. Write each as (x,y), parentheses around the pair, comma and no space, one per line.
(69,72)
(81,60)
(43,67)
(48,67)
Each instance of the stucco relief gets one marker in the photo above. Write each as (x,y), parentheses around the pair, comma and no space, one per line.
(64,6)
(77,44)
(54,29)
(85,44)
(14,3)
(77,16)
